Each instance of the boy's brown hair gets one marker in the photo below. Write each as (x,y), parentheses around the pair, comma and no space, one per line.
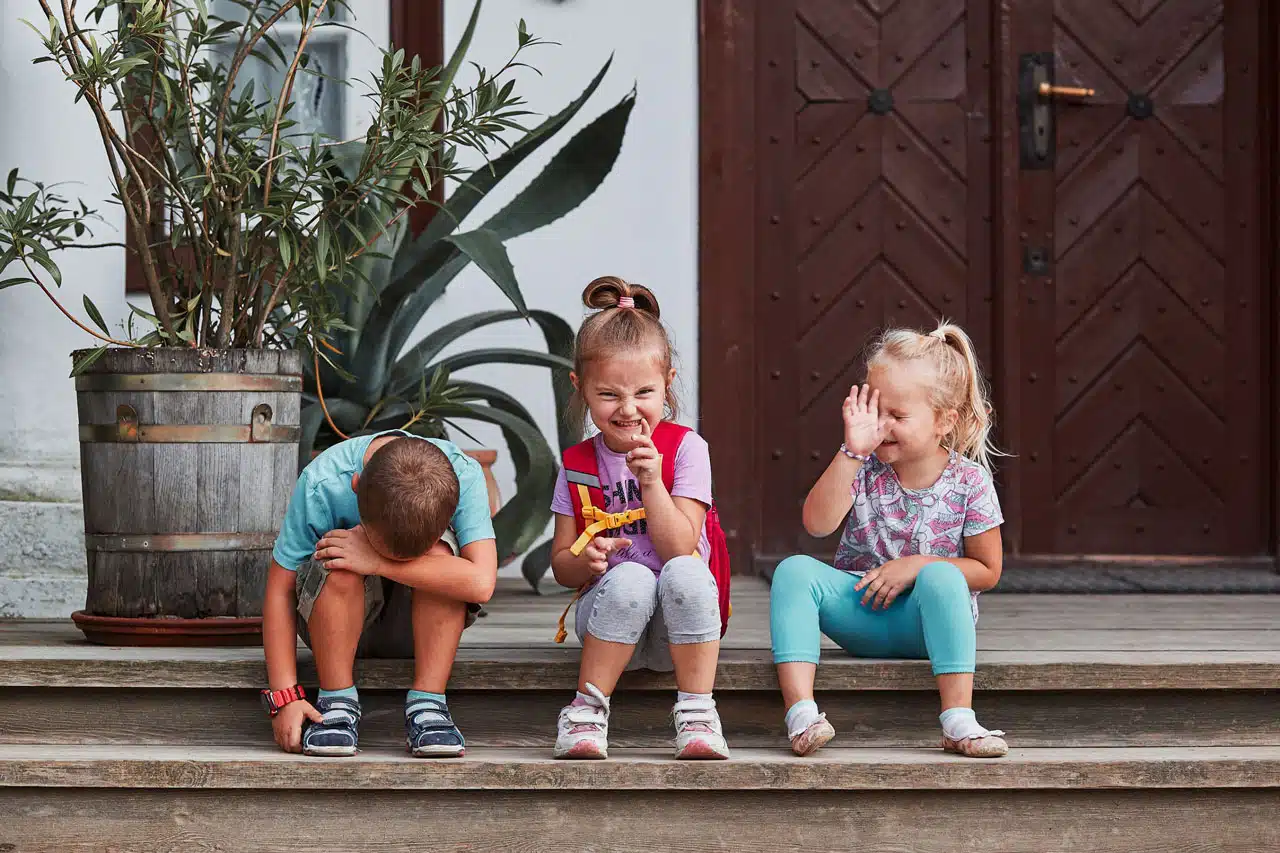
(407,494)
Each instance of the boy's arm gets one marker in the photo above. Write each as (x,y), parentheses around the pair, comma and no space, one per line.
(280,627)
(470,576)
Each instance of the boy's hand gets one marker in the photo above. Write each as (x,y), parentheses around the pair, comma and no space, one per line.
(598,550)
(287,725)
(644,460)
(863,427)
(349,550)
(885,583)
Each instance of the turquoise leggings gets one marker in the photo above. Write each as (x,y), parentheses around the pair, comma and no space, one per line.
(930,620)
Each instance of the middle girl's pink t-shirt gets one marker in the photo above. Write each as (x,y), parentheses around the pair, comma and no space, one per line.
(622,492)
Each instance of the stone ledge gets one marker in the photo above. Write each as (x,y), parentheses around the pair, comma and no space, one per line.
(55,480)
(28,597)
(44,540)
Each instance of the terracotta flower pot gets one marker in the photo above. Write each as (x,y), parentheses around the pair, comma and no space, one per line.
(487,458)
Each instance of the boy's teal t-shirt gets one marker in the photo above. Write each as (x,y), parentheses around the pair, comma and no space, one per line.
(323,500)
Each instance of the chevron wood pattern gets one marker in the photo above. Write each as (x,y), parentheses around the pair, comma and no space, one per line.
(879,135)
(1142,405)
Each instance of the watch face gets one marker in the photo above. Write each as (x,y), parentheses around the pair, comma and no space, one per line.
(265,696)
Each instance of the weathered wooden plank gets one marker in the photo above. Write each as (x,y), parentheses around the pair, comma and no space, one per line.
(219,493)
(998,612)
(140,821)
(177,473)
(251,581)
(256,476)
(137,582)
(557,669)
(640,718)
(185,360)
(133,766)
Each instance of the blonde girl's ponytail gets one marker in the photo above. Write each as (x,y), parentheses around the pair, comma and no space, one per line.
(971,435)
(959,384)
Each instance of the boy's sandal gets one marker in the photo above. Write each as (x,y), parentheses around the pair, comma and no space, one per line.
(430,732)
(991,745)
(338,733)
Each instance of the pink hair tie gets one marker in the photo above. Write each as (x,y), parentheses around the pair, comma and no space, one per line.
(626,302)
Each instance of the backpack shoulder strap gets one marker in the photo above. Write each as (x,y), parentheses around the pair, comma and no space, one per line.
(582,473)
(667,437)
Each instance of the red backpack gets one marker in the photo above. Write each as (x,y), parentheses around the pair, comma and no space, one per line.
(582,471)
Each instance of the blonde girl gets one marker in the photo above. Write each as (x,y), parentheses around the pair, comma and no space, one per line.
(651,600)
(922,539)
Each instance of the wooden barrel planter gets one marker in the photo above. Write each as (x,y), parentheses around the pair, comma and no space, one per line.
(188,458)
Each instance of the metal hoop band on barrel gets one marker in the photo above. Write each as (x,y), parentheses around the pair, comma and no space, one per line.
(127,429)
(179,542)
(188,382)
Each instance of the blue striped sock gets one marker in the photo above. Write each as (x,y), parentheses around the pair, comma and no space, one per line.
(419,695)
(345,693)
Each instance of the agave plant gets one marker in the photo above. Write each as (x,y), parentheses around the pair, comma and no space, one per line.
(363,377)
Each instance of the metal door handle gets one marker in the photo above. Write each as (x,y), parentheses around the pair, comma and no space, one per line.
(1048,90)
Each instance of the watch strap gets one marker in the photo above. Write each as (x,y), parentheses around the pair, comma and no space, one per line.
(274,700)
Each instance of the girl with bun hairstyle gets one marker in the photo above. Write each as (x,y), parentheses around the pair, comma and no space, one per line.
(638,551)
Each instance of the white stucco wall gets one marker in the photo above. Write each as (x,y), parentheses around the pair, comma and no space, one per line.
(640,225)
(49,139)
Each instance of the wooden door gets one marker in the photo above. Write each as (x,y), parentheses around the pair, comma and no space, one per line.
(873,162)
(1138,309)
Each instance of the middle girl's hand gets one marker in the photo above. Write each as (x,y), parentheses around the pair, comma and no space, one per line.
(644,460)
(885,583)
(598,550)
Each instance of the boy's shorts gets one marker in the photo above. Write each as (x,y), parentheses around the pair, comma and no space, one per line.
(388,609)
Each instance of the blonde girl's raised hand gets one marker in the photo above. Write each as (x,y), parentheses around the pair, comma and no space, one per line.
(863,426)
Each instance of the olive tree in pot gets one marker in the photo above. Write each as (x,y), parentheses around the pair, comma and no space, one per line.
(190,414)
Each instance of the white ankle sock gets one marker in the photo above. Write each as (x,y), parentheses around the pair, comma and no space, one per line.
(962,723)
(681,696)
(800,716)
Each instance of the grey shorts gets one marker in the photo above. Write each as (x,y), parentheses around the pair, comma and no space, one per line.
(388,609)
(629,605)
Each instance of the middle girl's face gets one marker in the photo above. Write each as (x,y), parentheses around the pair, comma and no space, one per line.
(913,430)
(622,390)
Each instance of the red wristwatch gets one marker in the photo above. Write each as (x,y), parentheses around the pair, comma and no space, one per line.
(274,700)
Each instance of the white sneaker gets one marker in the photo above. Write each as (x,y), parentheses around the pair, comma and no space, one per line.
(583,730)
(698,730)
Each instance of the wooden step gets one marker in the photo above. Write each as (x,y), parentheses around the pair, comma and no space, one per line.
(641,718)
(58,689)
(233,799)
(830,769)
(55,658)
